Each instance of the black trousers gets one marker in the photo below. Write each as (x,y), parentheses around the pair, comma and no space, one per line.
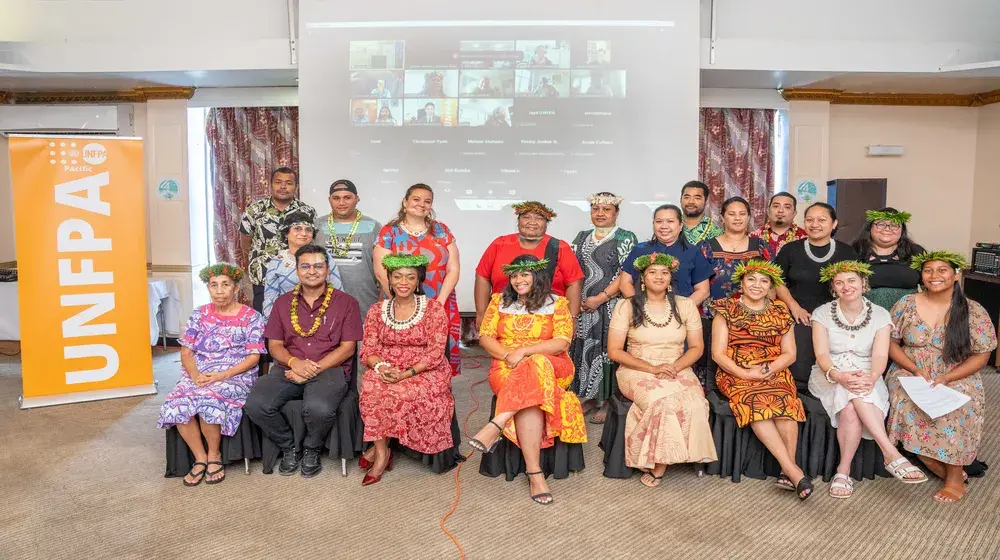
(320,398)
(258,298)
(705,367)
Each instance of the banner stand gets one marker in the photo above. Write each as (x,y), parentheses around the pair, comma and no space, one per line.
(80,236)
(69,398)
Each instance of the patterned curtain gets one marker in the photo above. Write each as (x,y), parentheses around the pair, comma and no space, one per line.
(736,158)
(247,144)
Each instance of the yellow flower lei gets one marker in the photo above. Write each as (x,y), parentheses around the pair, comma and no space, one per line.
(319,316)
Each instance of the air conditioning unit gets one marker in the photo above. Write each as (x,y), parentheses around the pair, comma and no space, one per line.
(882,151)
(56,119)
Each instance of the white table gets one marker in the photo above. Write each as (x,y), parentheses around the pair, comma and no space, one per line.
(164,310)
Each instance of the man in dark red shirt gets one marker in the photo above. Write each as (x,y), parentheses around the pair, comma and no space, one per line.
(531,239)
(312,361)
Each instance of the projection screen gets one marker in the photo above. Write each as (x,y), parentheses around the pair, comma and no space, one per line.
(489,112)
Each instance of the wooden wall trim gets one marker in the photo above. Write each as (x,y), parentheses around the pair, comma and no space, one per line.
(137,95)
(154,268)
(839,97)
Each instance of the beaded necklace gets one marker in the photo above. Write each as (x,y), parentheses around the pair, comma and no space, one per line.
(389,313)
(835,312)
(339,251)
(649,319)
(319,315)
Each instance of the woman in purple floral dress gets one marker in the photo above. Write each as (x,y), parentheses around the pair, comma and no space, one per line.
(222,344)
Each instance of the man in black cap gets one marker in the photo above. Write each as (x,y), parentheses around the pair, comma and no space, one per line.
(350,237)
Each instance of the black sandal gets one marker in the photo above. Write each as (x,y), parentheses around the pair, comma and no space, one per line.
(537,498)
(784,483)
(480,447)
(804,485)
(221,469)
(199,475)
(656,480)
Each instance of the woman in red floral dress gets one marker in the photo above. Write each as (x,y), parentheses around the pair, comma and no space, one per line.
(406,390)
(415,231)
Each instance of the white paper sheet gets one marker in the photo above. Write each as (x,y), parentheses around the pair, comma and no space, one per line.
(935,401)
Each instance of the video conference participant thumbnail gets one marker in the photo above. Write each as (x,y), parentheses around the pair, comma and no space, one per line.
(598,83)
(542,83)
(488,54)
(598,54)
(377,55)
(436,82)
(543,54)
(486,83)
(384,85)
(430,112)
(368,112)
(485,112)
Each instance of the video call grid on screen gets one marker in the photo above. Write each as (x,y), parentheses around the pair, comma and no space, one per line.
(481,109)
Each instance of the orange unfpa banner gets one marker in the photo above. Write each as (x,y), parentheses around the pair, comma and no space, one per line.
(79,217)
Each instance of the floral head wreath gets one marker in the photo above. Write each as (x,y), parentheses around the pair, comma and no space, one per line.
(766,268)
(660,259)
(882,216)
(234,272)
(397,261)
(534,206)
(534,266)
(954,259)
(613,200)
(827,273)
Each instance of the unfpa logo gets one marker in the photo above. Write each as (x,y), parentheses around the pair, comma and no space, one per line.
(94,154)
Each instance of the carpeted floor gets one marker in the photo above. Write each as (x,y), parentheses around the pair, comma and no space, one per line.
(85,481)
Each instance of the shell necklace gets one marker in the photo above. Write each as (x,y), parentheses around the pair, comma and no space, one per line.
(649,319)
(389,313)
(829,255)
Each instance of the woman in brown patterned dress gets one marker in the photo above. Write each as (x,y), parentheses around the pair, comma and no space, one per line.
(753,344)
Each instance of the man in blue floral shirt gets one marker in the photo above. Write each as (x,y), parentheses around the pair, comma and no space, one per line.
(261,224)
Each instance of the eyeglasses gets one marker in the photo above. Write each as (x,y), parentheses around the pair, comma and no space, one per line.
(888,226)
(304,267)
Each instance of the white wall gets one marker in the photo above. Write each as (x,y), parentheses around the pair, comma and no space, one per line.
(859,20)
(986,192)
(6,205)
(149,35)
(933,180)
(782,35)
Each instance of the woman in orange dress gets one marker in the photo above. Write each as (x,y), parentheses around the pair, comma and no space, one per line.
(527,330)
(753,344)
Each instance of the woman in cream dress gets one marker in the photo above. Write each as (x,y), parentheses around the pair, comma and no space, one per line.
(851,342)
(668,421)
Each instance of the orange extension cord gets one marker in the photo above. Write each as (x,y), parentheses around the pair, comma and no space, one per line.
(458,471)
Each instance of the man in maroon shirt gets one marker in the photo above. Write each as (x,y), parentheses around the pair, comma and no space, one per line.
(312,361)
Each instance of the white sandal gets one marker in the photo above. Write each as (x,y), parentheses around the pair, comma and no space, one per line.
(842,482)
(902,467)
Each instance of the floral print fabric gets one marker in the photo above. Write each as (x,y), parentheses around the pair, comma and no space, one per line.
(954,437)
(540,380)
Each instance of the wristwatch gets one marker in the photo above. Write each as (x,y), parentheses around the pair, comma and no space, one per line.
(412,371)
(767,368)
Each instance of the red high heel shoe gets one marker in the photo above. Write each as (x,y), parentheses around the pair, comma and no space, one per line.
(364,463)
(369,479)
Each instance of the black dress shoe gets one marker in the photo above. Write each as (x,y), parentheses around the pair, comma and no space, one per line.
(289,462)
(311,463)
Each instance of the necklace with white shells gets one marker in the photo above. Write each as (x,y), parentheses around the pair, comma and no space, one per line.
(389,313)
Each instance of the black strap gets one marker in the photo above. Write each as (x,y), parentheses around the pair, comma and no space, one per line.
(552,253)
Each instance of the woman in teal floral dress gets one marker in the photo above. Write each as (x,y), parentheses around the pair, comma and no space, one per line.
(945,338)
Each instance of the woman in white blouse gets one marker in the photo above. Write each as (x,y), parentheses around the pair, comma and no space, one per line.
(851,342)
